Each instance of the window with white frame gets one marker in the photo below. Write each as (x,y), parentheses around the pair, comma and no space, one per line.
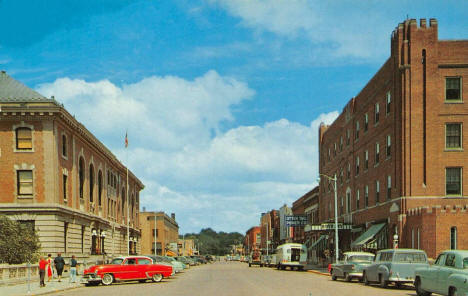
(366,196)
(453,135)
(348,137)
(357,165)
(366,159)
(357,199)
(389,146)
(23,138)
(453,89)
(453,238)
(389,101)
(389,187)
(357,130)
(341,143)
(348,172)
(366,122)
(377,153)
(377,113)
(25,182)
(377,191)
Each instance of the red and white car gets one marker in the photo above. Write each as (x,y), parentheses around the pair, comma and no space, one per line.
(128,268)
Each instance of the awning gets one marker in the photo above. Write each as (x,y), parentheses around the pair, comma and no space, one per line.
(170,253)
(368,235)
(321,239)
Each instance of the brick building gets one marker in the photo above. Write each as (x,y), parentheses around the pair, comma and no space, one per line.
(267,230)
(166,232)
(61,180)
(252,239)
(397,149)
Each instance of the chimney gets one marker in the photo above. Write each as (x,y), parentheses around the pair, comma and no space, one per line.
(173,216)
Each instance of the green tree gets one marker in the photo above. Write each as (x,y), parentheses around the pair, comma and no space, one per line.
(19,243)
(213,243)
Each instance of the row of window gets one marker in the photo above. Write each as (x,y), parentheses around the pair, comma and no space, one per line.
(453,187)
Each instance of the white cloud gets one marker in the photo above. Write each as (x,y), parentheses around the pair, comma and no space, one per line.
(224,180)
(346,28)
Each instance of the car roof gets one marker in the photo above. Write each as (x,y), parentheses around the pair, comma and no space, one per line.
(358,253)
(403,250)
(463,253)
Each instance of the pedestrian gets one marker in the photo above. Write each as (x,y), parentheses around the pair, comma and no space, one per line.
(59,264)
(73,266)
(49,267)
(42,270)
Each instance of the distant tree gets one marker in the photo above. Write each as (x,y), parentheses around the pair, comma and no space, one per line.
(213,243)
(19,243)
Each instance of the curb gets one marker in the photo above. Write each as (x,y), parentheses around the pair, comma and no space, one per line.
(50,292)
(318,272)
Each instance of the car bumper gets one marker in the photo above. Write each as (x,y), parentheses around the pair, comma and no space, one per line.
(355,274)
(401,280)
(90,278)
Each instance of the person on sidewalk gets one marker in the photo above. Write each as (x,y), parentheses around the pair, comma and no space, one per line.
(73,266)
(59,265)
(42,270)
(49,267)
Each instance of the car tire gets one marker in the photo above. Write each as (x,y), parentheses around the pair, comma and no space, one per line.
(107,279)
(366,280)
(157,277)
(142,281)
(250,265)
(452,291)
(333,277)
(383,283)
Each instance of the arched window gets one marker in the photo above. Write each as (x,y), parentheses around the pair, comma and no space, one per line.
(23,138)
(81,175)
(91,183)
(100,187)
(64,145)
(123,202)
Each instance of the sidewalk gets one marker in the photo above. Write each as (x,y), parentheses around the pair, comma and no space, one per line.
(35,289)
(317,269)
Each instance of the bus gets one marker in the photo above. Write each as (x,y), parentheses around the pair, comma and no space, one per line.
(291,255)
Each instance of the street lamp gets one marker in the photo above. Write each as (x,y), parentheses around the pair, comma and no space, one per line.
(395,241)
(336,212)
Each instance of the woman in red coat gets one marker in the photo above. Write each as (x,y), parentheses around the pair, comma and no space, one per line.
(50,261)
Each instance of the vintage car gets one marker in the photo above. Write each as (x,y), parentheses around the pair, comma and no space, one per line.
(447,276)
(394,266)
(129,268)
(351,266)
(254,258)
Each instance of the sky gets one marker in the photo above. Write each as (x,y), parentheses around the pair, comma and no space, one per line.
(221,99)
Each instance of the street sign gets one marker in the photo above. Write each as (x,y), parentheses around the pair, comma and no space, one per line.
(330,226)
(296,220)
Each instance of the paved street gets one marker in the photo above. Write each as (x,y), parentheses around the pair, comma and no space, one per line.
(235,278)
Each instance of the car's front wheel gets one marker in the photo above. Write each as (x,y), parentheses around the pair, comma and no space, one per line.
(107,279)
(453,291)
(366,280)
(157,277)
(419,290)
(347,277)
(333,276)
(383,282)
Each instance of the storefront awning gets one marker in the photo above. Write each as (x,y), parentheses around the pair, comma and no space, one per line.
(368,235)
(170,253)
(322,239)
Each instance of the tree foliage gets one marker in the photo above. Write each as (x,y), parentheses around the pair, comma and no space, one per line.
(213,243)
(19,243)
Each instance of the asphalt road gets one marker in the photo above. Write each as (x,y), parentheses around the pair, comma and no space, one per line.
(235,278)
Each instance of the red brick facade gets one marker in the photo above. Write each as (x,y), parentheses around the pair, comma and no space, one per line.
(411,92)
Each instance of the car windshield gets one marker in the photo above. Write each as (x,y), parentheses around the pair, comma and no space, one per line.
(409,257)
(361,258)
(117,261)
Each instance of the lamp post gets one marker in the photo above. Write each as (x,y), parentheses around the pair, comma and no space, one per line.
(395,241)
(336,212)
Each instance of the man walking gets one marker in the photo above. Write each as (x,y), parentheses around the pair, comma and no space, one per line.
(42,268)
(73,265)
(59,264)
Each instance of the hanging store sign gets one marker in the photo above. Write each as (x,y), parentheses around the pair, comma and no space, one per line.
(296,220)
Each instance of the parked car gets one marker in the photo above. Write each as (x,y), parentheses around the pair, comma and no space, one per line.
(447,276)
(129,268)
(291,255)
(254,258)
(267,260)
(351,266)
(183,260)
(179,266)
(157,260)
(394,266)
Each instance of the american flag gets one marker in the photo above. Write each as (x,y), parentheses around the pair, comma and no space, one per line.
(126,140)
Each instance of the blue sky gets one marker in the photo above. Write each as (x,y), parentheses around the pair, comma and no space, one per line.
(222,98)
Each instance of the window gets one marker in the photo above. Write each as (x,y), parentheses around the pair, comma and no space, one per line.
(357,199)
(453,89)
(377,153)
(453,238)
(328,153)
(389,101)
(389,146)
(348,202)
(65,177)
(450,260)
(348,137)
(142,261)
(357,165)
(348,172)
(366,196)
(91,183)
(100,187)
(23,138)
(377,192)
(334,153)
(389,187)
(25,182)
(366,122)
(453,181)
(81,176)
(64,145)
(440,260)
(366,159)
(357,130)
(341,143)
(377,113)
(453,137)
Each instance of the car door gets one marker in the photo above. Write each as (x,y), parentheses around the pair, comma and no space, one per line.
(129,269)
(143,267)
(372,269)
(429,281)
(444,272)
